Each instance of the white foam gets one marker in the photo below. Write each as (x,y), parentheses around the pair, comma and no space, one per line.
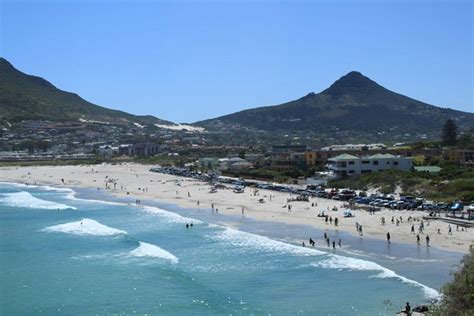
(49,188)
(25,199)
(18,185)
(149,250)
(85,227)
(238,238)
(170,216)
(341,262)
(73,197)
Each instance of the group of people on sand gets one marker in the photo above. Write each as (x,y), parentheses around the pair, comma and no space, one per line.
(329,218)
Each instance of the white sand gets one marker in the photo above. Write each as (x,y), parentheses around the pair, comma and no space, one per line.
(164,188)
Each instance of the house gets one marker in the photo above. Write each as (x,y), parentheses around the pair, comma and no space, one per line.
(107,151)
(348,165)
(286,158)
(226,163)
(141,149)
(209,163)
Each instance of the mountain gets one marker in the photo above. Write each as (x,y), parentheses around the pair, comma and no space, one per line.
(26,97)
(352,104)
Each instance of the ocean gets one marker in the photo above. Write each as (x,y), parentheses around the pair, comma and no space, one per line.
(82,252)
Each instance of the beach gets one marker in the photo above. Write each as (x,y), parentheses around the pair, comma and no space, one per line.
(137,182)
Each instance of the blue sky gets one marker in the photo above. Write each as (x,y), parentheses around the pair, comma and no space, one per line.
(190,60)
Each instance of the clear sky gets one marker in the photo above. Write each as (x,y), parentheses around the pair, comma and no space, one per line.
(190,60)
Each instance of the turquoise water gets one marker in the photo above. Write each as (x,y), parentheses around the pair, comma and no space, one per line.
(66,255)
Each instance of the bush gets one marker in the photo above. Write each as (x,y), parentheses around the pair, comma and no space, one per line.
(458,295)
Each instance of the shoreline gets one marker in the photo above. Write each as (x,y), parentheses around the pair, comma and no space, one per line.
(399,262)
(136,182)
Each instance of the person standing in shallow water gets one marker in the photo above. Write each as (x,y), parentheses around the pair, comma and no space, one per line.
(388,237)
(427,241)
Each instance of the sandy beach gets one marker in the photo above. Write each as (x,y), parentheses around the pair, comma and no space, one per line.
(136,181)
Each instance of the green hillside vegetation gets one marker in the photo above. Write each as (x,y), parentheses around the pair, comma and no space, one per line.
(26,97)
(458,295)
(352,103)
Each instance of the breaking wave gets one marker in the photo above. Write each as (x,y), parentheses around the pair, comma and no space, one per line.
(239,238)
(85,227)
(341,262)
(327,261)
(25,199)
(170,216)
(153,251)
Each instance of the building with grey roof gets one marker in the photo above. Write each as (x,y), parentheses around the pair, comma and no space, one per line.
(349,165)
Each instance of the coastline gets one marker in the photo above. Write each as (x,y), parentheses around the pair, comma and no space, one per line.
(136,182)
(426,272)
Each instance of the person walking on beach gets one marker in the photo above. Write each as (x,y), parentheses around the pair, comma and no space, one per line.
(360,231)
(339,243)
(388,237)
(418,239)
(325,236)
(413,228)
(242,210)
(333,245)
(336,221)
(327,241)
(427,241)
(449,230)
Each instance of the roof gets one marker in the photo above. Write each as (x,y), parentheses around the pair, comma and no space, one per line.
(431,169)
(345,157)
(381,156)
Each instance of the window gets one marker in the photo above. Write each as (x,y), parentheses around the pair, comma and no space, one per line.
(351,171)
(366,171)
(375,162)
(395,163)
(365,162)
(351,162)
(388,162)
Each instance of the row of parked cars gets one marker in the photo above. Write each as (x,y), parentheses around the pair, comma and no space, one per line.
(387,201)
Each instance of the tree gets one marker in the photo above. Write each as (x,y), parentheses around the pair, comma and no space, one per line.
(449,134)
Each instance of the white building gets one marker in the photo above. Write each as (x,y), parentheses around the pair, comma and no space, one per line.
(348,165)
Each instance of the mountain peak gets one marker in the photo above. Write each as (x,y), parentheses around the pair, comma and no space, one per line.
(352,82)
(5,64)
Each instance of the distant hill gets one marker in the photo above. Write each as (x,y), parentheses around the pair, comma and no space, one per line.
(352,104)
(26,97)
